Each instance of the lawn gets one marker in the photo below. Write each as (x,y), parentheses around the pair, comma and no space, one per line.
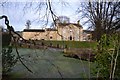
(50,63)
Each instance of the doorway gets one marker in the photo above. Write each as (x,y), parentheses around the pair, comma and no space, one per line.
(70,37)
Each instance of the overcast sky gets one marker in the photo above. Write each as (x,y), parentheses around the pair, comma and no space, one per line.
(18,14)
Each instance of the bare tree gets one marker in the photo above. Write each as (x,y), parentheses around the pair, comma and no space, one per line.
(104,19)
(103,16)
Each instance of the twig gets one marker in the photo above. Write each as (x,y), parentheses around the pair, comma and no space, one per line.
(114,68)
(11,29)
(20,57)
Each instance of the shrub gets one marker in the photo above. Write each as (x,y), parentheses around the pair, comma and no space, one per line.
(8,60)
(107,56)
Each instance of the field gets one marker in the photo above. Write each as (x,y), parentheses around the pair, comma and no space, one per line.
(50,63)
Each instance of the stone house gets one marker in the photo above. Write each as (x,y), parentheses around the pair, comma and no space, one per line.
(70,31)
(62,31)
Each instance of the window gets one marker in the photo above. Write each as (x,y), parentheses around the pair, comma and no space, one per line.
(50,37)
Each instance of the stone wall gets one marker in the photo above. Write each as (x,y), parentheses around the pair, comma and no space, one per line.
(33,35)
(70,32)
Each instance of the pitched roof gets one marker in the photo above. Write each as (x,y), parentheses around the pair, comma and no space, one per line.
(66,24)
(51,29)
(88,31)
(33,30)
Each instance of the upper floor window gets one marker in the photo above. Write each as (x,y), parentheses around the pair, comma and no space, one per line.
(51,37)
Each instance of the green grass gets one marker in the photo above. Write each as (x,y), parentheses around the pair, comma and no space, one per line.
(38,63)
(71,44)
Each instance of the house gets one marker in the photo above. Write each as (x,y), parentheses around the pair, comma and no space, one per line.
(69,31)
(63,30)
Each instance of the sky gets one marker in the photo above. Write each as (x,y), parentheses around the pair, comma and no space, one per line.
(19,12)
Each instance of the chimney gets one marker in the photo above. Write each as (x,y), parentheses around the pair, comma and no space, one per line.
(78,22)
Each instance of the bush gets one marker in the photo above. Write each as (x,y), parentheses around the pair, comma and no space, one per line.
(8,60)
(107,56)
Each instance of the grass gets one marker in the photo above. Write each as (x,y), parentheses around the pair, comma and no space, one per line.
(70,44)
(69,67)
